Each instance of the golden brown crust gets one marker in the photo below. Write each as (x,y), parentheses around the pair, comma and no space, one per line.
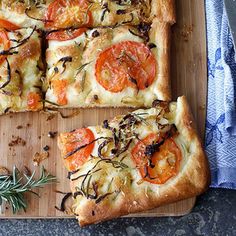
(164,10)
(199,170)
(160,34)
(134,196)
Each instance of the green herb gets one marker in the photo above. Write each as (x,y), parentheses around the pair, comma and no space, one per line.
(77,44)
(82,67)
(139,116)
(13,187)
(52,103)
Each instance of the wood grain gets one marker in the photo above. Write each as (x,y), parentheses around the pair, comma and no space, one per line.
(189,77)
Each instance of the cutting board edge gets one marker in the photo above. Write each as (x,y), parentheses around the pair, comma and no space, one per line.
(135,215)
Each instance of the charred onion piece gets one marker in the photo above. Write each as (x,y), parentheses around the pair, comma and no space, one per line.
(8,75)
(9,51)
(106,9)
(151,149)
(64,60)
(83,146)
(129,21)
(162,104)
(102,197)
(95,189)
(122,150)
(152,45)
(133,80)
(62,206)
(80,176)
(102,145)
(72,172)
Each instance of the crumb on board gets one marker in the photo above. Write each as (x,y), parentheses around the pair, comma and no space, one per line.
(19,127)
(16,141)
(46,148)
(39,157)
(50,116)
(52,134)
(186,32)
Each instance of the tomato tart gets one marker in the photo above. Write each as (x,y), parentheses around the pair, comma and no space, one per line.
(108,67)
(134,162)
(63,14)
(20,70)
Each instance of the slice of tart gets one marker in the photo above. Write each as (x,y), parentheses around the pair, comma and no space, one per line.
(134,162)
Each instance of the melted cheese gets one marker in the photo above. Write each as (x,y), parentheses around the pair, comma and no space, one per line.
(88,49)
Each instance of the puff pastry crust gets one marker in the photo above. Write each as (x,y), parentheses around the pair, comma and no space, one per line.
(48,14)
(108,185)
(79,74)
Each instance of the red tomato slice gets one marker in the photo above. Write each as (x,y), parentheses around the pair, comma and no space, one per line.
(125,64)
(166,161)
(64,35)
(59,88)
(75,140)
(33,101)
(8,25)
(68,13)
(4,43)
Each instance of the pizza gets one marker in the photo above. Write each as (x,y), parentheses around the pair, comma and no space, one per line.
(20,70)
(121,66)
(134,162)
(58,14)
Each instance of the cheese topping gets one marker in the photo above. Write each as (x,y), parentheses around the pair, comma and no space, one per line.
(82,88)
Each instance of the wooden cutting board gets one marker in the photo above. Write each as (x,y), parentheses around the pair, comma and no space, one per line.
(189,77)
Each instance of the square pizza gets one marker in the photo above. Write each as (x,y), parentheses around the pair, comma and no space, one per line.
(58,14)
(108,67)
(135,162)
(20,70)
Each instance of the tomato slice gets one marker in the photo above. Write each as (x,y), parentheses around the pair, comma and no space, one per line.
(8,25)
(33,101)
(59,88)
(68,13)
(165,162)
(4,43)
(125,64)
(76,139)
(64,35)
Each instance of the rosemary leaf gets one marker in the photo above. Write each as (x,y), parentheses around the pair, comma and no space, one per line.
(13,187)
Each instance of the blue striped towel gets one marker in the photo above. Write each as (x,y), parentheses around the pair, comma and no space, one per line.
(220,142)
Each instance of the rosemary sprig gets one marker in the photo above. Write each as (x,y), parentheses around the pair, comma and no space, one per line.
(82,67)
(13,187)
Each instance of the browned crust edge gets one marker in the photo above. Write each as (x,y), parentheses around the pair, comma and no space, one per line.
(160,34)
(193,179)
